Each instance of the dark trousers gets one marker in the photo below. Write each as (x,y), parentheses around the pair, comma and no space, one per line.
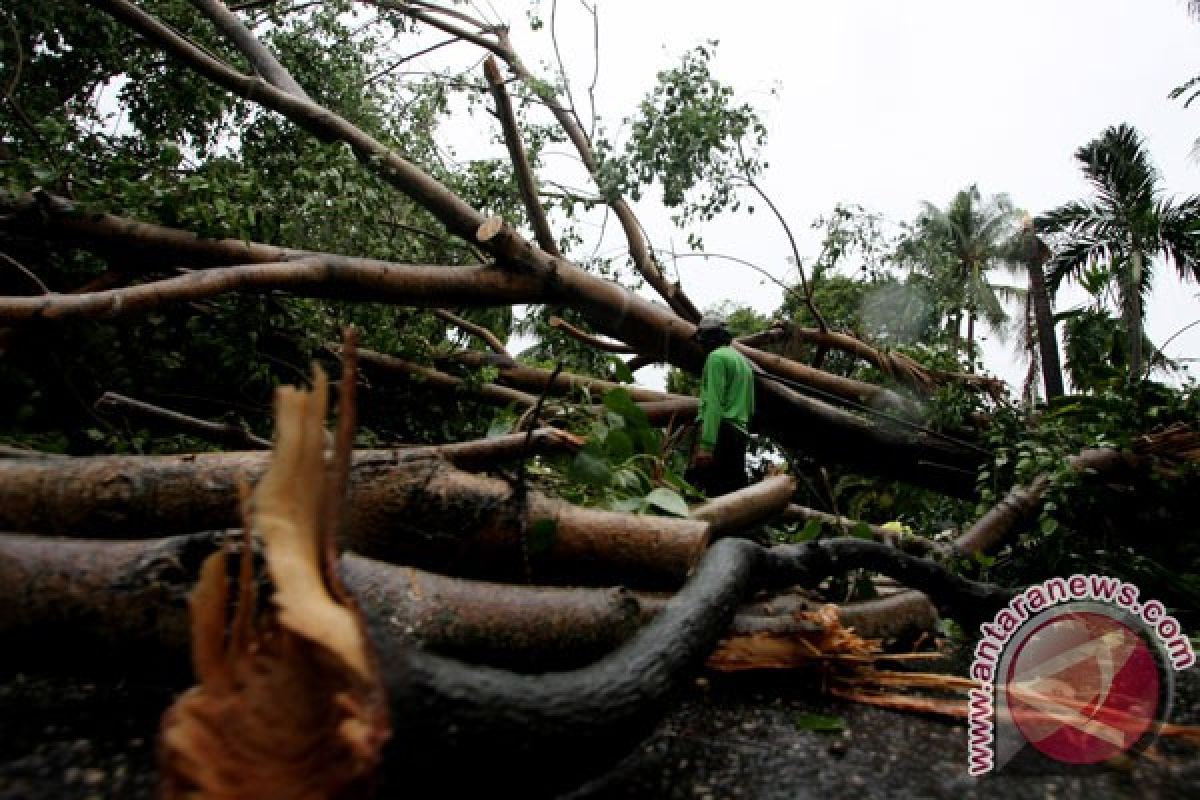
(727,472)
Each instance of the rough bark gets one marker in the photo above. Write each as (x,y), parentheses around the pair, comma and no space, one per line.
(421,512)
(1043,316)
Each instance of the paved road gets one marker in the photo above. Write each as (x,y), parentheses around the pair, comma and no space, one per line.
(733,739)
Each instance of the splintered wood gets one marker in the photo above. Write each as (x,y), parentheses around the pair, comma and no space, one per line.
(828,640)
(289,704)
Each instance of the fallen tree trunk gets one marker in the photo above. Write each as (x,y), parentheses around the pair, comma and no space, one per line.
(421,512)
(134,594)
(123,602)
(551,730)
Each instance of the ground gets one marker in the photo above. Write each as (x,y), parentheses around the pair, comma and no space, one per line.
(728,738)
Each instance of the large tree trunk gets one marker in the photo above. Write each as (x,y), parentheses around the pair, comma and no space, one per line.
(422,512)
(122,603)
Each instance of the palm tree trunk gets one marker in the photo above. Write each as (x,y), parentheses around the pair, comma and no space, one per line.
(971,340)
(1044,320)
(1133,321)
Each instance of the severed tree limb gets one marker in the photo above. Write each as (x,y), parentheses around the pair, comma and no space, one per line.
(542,728)
(856,391)
(511,726)
(220,432)
(478,331)
(754,505)
(105,494)
(536,380)
(612,309)
(1164,450)
(897,366)
(526,181)
(422,512)
(588,339)
(502,396)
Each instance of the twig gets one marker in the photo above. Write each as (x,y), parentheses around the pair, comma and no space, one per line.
(220,432)
(590,340)
(24,270)
(488,337)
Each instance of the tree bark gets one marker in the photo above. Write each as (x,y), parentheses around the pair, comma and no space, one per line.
(545,728)
(420,512)
(123,603)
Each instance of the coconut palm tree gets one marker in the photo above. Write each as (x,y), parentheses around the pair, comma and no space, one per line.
(1124,226)
(962,244)
(1038,337)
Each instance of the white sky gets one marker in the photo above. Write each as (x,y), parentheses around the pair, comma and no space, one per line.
(888,104)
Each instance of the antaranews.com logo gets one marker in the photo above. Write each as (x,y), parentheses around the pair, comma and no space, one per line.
(1077,668)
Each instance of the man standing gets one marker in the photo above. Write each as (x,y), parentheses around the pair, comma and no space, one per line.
(726,405)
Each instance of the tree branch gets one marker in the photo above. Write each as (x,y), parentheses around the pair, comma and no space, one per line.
(220,432)
(526,181)
(478,331)
(588,339)
(259,55)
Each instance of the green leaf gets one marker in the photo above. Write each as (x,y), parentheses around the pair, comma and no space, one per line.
(590,468)
(620,402)
(821,723)
(810,531)
(861,530)
(1049,525)
(618,445)
(667,501)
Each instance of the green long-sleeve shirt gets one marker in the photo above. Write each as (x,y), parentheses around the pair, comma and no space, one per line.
(726,393)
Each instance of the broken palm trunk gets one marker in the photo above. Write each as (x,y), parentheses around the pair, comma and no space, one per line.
(290,703)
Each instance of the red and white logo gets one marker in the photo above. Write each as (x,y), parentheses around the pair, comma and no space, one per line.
(1083,686)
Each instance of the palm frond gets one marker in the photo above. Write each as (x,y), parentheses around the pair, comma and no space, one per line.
(1179,234)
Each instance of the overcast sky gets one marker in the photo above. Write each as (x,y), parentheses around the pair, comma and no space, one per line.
(888,104)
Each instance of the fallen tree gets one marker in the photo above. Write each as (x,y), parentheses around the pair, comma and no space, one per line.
(123,602)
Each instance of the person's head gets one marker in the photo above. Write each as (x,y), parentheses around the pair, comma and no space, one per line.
(711,333)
